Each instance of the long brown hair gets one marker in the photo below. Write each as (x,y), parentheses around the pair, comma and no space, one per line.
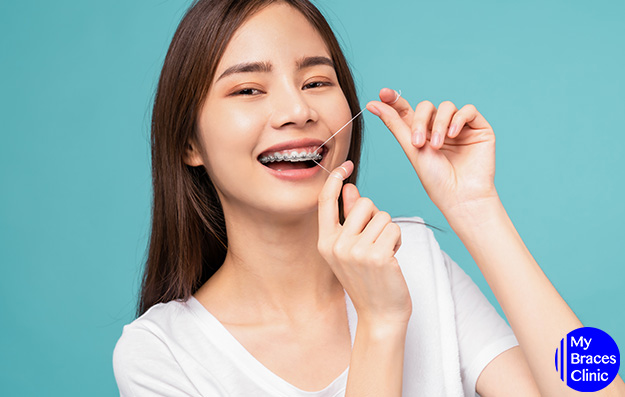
(188,241)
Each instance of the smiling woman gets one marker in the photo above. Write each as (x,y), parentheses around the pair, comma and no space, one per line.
(267,277)
(277,84)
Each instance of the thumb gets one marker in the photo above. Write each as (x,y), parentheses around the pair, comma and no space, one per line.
(350,195)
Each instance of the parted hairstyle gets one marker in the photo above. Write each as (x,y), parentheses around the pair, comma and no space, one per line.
(188,240)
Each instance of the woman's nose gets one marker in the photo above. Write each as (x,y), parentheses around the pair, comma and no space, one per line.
(290,107)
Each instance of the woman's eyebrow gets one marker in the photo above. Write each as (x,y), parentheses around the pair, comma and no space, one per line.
(252,67)
(307,62)
(246,67)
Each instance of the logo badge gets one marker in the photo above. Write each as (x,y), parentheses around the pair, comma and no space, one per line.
(587,359)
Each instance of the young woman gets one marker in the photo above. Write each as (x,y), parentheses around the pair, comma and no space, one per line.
(268,276)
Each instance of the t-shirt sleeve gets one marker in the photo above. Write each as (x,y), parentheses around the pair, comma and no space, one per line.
(482,333)
(144,366)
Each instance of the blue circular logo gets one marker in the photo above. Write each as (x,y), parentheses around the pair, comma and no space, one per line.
(587,359)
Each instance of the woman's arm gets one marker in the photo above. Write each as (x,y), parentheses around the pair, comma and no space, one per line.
(453,152)
(537,314)
(377,361)
(361,253)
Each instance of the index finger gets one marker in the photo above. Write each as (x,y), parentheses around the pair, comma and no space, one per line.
(329,198)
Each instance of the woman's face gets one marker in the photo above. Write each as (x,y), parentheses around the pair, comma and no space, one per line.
(275,87)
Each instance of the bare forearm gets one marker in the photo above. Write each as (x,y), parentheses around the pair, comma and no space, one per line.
(537,313)
(377,361)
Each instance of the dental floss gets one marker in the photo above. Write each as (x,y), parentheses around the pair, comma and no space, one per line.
(340,129)
(396,99)
(346,124)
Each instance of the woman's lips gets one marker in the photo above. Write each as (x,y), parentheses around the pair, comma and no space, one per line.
(300,173)
(294,174)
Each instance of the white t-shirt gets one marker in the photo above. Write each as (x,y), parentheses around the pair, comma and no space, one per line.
(179,348)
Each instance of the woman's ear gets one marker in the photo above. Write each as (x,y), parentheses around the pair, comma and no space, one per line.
(192,155)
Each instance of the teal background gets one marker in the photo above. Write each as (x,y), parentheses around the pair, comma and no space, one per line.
(76,83)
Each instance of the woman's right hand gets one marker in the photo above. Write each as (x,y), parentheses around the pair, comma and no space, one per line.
(361,252)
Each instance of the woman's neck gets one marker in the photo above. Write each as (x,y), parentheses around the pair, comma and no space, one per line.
(273,272)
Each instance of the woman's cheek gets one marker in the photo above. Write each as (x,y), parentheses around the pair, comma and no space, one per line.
(239,123)
(236,134)
(339,119)
(335,112)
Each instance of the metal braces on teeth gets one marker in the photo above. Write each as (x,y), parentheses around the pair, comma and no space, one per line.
(292,158)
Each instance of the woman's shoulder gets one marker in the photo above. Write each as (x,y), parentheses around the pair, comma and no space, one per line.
(147,336)
(149,356)
(150,331)
(159,315)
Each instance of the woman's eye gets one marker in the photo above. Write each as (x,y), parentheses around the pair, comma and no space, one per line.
(247,91)
(317,84)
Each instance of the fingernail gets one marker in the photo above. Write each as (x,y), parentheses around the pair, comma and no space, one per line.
(452,130)
(417,138)
(346,166)
(436,140)
(374,110)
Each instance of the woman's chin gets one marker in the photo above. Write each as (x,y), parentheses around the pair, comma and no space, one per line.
(301,208)
(294,207)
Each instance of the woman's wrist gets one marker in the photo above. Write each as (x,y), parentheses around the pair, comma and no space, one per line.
(382,330)
(377,360)
(475,214)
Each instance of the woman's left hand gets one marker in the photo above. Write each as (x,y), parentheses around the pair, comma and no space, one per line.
(452,151)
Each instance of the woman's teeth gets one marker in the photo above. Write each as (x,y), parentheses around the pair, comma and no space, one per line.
(293,156)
